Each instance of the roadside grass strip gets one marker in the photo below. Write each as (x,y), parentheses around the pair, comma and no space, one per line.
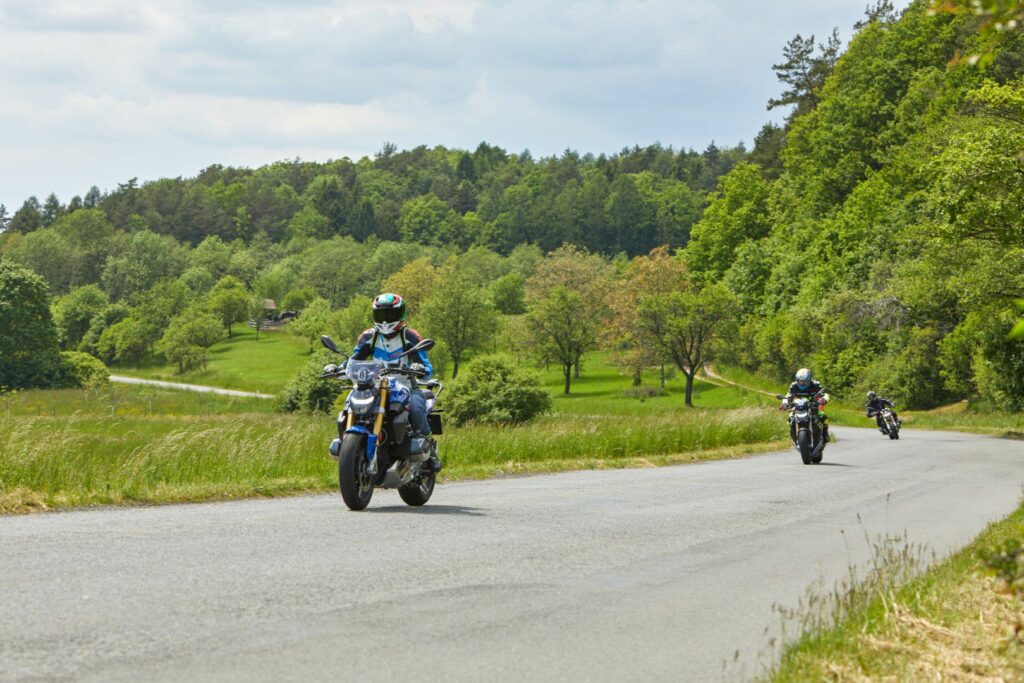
(947,624)
(177,447)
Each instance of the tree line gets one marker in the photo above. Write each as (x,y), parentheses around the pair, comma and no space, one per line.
(628,202)
(875,236)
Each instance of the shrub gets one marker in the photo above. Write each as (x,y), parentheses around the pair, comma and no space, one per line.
(644,393)
(186,339)
(1006,564)
(495,390)
(308,391)
(78,369)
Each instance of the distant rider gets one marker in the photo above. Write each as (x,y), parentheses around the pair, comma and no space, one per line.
(875,406)
(805,386)
(385,341)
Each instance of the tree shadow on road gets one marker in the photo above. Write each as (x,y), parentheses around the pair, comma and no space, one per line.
(433,510)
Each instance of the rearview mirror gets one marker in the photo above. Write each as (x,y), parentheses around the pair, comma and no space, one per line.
(779,396)
(328,343)
(424,345)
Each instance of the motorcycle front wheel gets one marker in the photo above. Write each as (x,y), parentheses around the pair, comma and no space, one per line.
(803,444)
(354,480)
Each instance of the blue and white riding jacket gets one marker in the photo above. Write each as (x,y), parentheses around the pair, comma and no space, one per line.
(373,343)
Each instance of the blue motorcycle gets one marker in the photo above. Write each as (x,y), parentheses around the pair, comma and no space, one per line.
(375,448)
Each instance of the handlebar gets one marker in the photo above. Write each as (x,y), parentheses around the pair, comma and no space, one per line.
(341,370)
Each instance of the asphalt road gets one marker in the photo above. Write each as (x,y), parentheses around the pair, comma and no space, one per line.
(656,574)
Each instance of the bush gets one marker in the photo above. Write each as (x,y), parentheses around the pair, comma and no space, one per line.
(644,393)
(1006,564)
(78,369)
(308,391)
(493,389)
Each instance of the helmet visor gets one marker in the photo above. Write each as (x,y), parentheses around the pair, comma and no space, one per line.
(388,315)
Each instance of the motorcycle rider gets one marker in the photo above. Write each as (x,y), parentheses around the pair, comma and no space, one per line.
(805,386)
(389,337)
(875,406)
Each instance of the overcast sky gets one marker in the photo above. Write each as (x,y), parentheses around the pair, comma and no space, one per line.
(99,91)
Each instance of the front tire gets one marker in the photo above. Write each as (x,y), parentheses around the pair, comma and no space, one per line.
(354,480)
(803,444)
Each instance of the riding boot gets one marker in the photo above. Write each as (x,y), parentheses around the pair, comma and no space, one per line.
(433,464)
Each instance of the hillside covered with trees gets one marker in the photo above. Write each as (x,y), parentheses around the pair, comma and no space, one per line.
(887,253)
(876,236)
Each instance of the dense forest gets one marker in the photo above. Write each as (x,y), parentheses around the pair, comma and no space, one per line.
(630,202)
(876,236)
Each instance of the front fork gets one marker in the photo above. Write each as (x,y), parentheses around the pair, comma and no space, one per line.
(372,438)
(378,425)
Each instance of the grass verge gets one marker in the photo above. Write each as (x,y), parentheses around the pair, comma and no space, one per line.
(948,624)
(126,445)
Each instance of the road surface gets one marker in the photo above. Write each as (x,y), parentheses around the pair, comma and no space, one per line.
(651,574)
(188,387)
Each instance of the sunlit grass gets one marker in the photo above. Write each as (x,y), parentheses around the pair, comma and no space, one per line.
(947,624)
(134,445)
(604,389)
(242,362)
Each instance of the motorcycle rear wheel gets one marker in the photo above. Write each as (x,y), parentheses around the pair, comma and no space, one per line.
(418,492)
(354,480)
(803,444)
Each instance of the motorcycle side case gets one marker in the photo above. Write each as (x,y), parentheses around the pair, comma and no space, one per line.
(434,420)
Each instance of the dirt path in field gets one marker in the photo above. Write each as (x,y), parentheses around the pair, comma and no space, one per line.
(188,387)
(710,374)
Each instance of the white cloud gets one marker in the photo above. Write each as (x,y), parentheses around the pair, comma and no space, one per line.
(139,87)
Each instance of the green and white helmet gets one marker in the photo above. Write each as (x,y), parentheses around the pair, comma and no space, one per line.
(388,313)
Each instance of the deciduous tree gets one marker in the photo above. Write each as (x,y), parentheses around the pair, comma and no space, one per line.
(228,301)
(690,327)
(29,353)
(561,329)
(459,314)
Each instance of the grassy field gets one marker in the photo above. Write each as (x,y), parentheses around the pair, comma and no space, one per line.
(129,444)
(268,364)
(135,444)
(603,390)
(242,362)
(947,625)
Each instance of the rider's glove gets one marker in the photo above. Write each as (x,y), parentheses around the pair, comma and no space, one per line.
(418,368)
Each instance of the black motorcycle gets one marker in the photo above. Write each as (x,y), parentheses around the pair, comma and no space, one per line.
(375,448)
(806,426)
(890,424)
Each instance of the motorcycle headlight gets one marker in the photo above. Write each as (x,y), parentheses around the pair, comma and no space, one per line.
(361,402)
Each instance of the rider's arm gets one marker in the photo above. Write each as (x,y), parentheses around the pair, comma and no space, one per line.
(412,337)
(421,358)
(364,346)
